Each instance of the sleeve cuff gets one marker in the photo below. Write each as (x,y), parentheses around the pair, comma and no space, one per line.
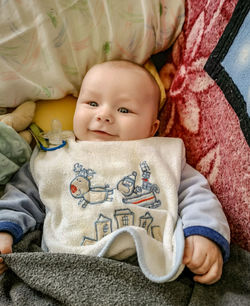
(14,229)
(212,235)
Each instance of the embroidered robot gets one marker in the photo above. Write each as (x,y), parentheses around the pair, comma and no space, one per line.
(80,188)
(144,195)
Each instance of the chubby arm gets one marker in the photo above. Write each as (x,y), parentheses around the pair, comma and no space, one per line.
(21,209)
(205,227)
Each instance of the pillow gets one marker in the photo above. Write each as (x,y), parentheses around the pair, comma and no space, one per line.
(48,45)
(199,112)
(61,109)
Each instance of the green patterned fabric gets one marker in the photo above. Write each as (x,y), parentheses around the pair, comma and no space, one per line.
(14,152)
(47,46)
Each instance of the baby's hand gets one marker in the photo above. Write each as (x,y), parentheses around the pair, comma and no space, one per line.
(203,257)
(6,241)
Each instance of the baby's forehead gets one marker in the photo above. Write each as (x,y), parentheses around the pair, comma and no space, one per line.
(116,67)
(113,66)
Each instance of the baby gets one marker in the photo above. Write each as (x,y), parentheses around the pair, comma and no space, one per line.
(114,121)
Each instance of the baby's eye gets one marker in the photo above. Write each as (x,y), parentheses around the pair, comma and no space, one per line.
(92,103)
(123,110)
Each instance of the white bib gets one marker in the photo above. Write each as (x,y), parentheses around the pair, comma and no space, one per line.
(113,199)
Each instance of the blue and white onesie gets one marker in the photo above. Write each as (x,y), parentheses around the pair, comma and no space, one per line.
(115,199)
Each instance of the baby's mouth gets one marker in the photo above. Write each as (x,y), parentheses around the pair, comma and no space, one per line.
(100,132)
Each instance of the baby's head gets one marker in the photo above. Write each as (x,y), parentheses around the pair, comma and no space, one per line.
(119,100)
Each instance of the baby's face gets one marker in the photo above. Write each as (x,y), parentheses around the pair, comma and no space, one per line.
(116,103)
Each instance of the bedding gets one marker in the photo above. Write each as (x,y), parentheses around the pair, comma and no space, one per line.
(14,152)
(38,278)
(200,112)
(47,46)
(229,64)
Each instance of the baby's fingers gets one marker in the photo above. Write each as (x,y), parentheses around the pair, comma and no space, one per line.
(188,251)
(212,276)
(3,269)
(3,266)
(200,265)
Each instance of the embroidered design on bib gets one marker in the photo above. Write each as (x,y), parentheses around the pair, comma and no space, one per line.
(144,195)
(82,189)
(124,217)
(103,227)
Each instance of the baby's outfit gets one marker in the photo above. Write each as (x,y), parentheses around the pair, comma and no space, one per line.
(115,199)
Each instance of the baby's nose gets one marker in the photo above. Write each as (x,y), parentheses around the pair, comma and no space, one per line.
(105,116)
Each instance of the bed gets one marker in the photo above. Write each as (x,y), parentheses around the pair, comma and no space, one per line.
(201,51)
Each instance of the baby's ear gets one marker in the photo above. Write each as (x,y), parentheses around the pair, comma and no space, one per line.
(155,127)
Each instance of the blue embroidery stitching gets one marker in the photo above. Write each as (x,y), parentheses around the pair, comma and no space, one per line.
(80,188)
(146,221)
(103,227)
(124,217)
(144,195)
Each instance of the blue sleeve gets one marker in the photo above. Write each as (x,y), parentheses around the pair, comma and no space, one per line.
(201,211)
(21,209)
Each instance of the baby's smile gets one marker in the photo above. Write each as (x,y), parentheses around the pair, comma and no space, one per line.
(104,135)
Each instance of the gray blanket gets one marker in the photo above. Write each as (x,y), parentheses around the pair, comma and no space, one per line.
(37,278)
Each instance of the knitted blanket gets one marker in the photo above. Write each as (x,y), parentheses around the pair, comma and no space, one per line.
(37,278)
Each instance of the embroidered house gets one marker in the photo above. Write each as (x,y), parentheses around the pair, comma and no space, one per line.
(103,227)
(145,221)
(156,232)
(124,217)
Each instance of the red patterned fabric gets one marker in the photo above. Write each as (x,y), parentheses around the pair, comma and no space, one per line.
(198,112)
